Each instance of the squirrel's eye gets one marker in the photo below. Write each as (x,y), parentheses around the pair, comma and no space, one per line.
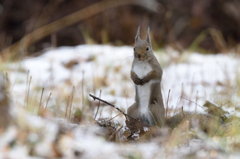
(147,48)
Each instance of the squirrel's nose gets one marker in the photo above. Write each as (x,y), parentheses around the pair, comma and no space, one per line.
(139,56)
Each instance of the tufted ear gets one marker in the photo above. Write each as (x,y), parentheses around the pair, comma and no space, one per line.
(137,37)
(148,36)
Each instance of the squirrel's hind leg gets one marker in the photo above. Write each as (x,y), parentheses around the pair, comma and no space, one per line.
(132,111)
(157,114)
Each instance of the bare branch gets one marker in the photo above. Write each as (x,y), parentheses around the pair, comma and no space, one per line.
(127,116)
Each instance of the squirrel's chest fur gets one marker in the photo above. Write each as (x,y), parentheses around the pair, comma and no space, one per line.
(141,69)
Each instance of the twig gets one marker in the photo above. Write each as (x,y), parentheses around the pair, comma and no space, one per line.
(192,87)
(67,107)
(191,101)
(182,91)
(94,85)
(100,114)
(25,100)
(40,104)
(175,109)
(119,128)
(113,117)
(224,103)
(183,113)
(82,90)
(71,103)
(6,82)
(98,105)
(94,97)
(48,99)
(127,116)
(167,102)
(196,102)
(28,89)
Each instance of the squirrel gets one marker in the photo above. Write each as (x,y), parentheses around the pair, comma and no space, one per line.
(146,74)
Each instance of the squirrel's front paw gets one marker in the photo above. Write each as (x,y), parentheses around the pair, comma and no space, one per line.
(135,79)
(138,81)
(145,80)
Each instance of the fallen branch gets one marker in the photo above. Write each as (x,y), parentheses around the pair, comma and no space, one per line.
(94,97)
(127,116)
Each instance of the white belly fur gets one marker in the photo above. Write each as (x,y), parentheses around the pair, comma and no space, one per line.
(141,69)
(144,97)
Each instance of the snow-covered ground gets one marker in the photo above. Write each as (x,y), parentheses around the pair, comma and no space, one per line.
(191,78)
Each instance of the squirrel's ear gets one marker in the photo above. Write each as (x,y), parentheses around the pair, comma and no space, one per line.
(138,33)
(148,36)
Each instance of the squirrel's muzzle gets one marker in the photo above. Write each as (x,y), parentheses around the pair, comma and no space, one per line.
(139,56)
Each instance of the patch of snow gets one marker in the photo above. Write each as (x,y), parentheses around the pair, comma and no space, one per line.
(197,77)
(145,129)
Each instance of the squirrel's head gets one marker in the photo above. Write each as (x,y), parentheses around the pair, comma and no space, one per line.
(142,48)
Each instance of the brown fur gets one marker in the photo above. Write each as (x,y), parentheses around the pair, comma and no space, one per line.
(155,106)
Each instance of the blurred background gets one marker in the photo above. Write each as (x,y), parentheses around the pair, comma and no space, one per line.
(203,26)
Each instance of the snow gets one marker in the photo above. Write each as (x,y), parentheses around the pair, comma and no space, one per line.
(193,76)
(197,77)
